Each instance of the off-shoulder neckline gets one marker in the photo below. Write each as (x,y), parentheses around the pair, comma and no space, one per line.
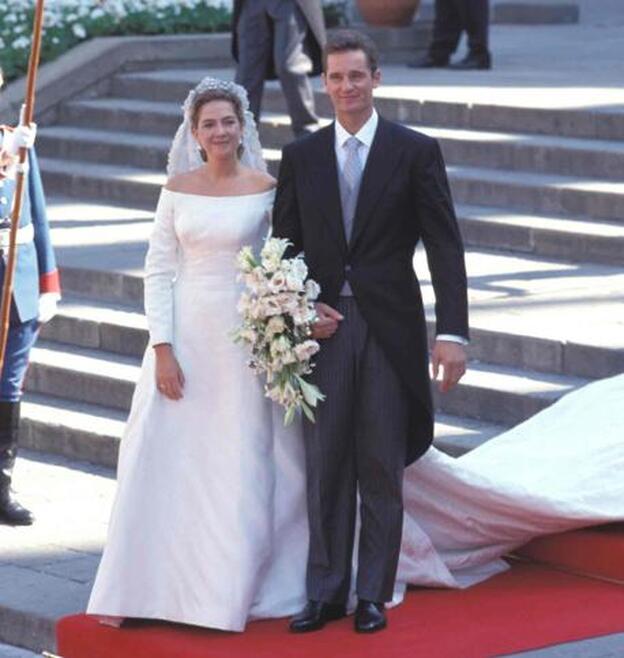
(222,196)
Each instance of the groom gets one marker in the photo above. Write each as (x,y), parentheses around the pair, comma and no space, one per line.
(356,197)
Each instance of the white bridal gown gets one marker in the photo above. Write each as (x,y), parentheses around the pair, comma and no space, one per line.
(209,522)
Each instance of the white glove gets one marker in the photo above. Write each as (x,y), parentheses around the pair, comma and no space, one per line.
(47,306)
(21,137)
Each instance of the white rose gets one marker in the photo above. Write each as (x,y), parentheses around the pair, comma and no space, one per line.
(304,314)
(312,289)
(277,282)
(306,350)
(288,301)
(299,268)
(294,282)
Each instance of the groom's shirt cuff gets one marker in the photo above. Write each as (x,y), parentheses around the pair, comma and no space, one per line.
(452,338)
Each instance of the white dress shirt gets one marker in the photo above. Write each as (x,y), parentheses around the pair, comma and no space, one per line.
(365,135)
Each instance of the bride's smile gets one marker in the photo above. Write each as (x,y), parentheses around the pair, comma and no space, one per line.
(218,130)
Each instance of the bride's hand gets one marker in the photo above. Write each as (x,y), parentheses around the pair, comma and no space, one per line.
(169,375)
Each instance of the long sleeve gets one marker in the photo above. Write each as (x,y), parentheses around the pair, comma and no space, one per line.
(49,282)
(443,243)
(160,271)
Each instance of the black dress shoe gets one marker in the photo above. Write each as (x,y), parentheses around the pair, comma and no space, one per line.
(473,62)
(12,513)
(370,617)
(315,615)
(428,61)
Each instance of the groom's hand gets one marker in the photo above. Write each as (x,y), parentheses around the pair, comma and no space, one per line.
(327,322)
(451,358)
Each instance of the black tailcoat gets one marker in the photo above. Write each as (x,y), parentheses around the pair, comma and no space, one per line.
(404,198)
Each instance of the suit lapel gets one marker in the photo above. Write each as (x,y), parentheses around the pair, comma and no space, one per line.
(384,155)
(325,183)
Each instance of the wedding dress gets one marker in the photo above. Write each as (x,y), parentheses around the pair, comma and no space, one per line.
(208,526)
(559,470)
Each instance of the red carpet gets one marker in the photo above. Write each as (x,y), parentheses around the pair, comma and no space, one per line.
(529,607)
(598,552)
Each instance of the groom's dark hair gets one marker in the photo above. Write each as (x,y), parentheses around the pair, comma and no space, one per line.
(343,41)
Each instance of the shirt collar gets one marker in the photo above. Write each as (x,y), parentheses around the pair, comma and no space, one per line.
(365,134)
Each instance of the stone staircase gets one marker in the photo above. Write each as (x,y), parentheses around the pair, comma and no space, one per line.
(540,203)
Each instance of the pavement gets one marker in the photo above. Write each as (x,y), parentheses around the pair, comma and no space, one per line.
(7,651)
(48,569)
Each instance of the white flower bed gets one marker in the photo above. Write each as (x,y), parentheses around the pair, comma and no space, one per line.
(67,22)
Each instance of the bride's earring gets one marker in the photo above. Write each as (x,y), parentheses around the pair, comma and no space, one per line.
(240,149)
(202,153)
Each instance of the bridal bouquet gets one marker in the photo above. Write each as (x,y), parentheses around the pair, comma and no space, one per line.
(278,311)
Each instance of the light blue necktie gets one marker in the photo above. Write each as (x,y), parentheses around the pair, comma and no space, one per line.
(351,177)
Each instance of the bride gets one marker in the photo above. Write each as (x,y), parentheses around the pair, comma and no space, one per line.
(209,523)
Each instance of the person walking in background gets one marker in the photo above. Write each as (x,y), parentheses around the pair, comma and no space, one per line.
(452,18)
(283,39)
(36,291)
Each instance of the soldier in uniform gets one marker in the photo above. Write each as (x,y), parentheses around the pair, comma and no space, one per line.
(280,39)
(36,292)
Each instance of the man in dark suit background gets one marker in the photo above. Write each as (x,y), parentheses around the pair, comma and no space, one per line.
(356,197)
(452,18)
(283,39)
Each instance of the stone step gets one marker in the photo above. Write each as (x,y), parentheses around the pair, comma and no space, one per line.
(122,114)
(416,108)
(97,325)
(115,184)
(491,393)
(593,158)
(537,193)
(76,430)
(542,235)
(106,147)
(169,85)
(9,651)
(82,375)
(456,436)
(422,107)
(116,329)
(504,395)
(91,433)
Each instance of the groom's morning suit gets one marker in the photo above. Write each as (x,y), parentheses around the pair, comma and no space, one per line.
(378,414)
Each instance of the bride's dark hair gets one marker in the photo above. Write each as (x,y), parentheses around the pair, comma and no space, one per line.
(209,96)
